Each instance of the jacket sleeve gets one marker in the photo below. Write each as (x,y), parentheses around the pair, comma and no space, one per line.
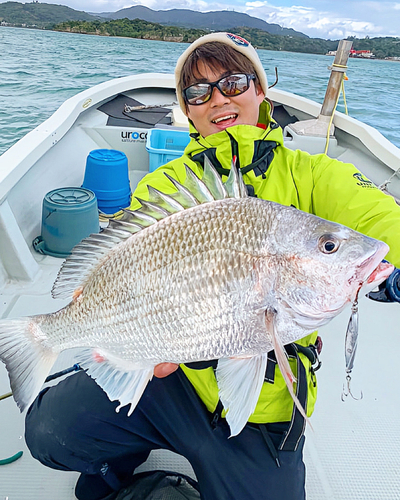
(342,194)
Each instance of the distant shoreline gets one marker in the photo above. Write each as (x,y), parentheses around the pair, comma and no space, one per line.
(174,39)
(91,33)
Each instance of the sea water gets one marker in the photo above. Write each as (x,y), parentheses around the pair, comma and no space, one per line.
(40,69)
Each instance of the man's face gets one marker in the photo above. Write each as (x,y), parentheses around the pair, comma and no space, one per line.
(221,112)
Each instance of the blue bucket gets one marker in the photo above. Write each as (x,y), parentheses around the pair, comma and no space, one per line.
(165,145)
(106,174)
(68,216)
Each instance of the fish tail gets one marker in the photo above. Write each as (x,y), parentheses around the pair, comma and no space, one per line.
(284,366)
(27,360)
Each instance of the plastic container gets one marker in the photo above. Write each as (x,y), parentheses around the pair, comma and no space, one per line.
(165,145)
(107,175)
(68,215)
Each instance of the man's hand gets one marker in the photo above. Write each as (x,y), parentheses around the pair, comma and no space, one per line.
(389,290)
(164,369)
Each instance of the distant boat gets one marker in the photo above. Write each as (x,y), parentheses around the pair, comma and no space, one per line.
(366,54)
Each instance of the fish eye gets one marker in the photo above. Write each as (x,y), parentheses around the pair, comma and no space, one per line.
(328,243)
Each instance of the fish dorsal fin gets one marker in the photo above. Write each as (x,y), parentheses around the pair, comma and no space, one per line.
(197,187)
(170,203)
(84,257)
(153,210)
(194,191)
(157,210)
(213,180)
(235,184)
(183,195)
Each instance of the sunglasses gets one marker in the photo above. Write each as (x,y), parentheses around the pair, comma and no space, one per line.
(229,86)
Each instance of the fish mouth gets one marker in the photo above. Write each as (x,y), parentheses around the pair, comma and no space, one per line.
(374,270)
(380,273)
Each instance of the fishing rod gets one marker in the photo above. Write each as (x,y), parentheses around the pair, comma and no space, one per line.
(75,368)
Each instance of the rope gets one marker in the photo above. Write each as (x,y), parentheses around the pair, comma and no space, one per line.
(384,184)
(344,95)
(341,68)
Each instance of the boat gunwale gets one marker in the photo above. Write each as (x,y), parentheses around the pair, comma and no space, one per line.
(21,157)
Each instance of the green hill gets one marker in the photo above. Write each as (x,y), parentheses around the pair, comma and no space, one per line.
(222,20)
(41,15)
(135,28)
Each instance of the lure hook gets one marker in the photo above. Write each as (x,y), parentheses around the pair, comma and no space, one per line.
(347,390)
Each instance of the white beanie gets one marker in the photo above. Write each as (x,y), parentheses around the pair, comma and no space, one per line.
(236,42)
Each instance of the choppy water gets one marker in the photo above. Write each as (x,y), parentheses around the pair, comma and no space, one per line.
(39,70)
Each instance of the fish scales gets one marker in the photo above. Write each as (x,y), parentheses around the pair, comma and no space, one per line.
(180,297)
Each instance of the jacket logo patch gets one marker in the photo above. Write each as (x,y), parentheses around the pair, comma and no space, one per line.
(363,181)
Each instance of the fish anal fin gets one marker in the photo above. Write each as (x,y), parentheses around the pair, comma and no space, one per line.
(240,381)
(120,379)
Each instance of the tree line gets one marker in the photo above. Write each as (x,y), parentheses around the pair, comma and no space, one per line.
(382,47)
(135,28)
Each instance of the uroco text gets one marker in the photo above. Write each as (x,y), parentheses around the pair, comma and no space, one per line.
(134,135)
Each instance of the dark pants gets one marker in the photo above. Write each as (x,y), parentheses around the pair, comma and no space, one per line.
(74,426)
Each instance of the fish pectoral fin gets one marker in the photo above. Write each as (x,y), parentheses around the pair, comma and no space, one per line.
(120,379)
(240,381)
(283,362)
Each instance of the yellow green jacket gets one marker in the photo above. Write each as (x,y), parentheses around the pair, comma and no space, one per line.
(312,183)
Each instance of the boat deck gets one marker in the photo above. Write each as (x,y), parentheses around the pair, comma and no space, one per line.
(351,453)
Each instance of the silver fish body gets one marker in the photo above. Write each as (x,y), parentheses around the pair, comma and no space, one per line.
(184,289)
(195,285)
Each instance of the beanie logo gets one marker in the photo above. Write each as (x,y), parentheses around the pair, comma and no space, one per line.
(238,40)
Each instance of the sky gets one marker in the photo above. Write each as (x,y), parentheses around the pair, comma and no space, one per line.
(329,19)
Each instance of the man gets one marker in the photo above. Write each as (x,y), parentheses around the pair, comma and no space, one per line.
(221,87)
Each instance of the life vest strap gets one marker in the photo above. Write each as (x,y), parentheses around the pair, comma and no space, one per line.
(292,436)
(296,427)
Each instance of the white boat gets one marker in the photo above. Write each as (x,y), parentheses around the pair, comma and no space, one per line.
(352,452)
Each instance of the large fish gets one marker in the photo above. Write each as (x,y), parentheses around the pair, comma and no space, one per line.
(214,274)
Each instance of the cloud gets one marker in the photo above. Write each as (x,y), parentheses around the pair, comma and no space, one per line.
(318,18)
(200,5)
(323,24)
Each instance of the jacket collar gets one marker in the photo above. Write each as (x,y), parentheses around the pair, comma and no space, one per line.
(272,133)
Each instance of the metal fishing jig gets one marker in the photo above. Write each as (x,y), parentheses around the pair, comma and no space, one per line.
(350,349)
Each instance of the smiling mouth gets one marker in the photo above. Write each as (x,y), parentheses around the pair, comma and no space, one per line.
(223,118)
